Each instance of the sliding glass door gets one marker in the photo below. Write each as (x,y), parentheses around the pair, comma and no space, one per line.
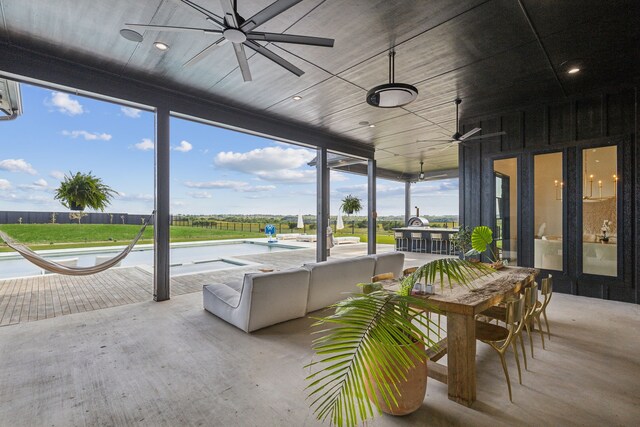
(506,231)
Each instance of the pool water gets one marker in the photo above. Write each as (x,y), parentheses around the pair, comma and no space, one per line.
(184,259)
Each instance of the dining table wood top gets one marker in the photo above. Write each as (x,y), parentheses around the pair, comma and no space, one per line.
(479,294)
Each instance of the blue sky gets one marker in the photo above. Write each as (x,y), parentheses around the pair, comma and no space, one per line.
(213,170)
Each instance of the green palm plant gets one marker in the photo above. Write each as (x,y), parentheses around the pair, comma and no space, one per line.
(350,205)
(482,240)
(80,190)
(369,339)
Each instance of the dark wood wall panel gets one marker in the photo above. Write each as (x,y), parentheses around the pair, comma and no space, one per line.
(589,120)
(535,128)
(619,113)
(512,125)
(560,123)
(589,117)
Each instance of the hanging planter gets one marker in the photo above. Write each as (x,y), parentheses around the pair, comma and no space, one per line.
(83,190)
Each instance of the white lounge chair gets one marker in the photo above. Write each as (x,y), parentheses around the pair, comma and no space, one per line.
(346,240)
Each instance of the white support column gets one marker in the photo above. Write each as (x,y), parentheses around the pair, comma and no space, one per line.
(322,177)
(161,265)
(407,202)
(372,215)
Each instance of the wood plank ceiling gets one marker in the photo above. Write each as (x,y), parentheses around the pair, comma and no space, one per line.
(493,54)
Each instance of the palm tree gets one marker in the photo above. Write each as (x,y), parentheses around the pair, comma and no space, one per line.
(351,204)
(80,190)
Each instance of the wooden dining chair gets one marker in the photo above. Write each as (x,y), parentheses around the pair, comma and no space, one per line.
(546,289)
(500,338)
(382,276)
(408,271)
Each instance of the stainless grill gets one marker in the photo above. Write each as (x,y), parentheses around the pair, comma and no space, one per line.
(418,221)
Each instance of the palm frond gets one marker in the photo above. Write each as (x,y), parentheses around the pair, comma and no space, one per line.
(372,340)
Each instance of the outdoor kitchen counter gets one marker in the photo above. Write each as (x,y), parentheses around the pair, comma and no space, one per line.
(413,245)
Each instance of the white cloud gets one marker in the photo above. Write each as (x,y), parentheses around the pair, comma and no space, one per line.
(17,165)
(288,176)
(88,136)
(40,185)
(65,104)
(184,147)
(59,175)
(145,145)
(5,184)
(135,197)
(241,186)
(200,194)
(134,113)
(277,164)
(263,159)
(338,176)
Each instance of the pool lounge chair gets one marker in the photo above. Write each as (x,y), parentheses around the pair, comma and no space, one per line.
(346,240)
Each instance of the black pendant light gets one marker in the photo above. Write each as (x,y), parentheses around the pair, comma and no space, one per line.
(392,94)
(421,176)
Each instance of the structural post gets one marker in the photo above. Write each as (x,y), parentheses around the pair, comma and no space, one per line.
(161,278)
(322,176)
(372,215)
(407,202)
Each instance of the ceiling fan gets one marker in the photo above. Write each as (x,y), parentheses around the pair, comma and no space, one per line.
(457,137)
(239,31)
(423,177)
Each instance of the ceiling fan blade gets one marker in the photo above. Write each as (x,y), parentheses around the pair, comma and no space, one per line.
(435,140)
(275,58)
(291,38)
(211,17)
(203,53)
(488,135)
(230,13)
(242,61)
(171,28)
(432,177)
(267,13)
(468,134)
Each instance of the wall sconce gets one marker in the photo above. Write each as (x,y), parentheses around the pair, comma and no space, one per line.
(559,189)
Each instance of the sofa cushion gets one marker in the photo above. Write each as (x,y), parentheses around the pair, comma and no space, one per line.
(277,297)
(263,299)
(390,262)
(331,281)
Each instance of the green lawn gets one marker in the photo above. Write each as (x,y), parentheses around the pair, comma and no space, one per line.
(63,236)
(66,236)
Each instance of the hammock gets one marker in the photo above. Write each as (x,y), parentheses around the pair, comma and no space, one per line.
(54,267)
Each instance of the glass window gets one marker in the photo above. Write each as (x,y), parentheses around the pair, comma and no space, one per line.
(506,232)
(600,181)
(548,195)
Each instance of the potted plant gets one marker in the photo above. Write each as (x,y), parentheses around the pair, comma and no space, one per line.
(81,190)
(371,351)
(350,205)
(481,241)
(462,239)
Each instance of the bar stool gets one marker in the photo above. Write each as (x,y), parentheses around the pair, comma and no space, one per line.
(402,242)
(418,242)
(436,243)
(453,247)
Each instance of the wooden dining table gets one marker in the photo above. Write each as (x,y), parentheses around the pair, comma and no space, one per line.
(460,304)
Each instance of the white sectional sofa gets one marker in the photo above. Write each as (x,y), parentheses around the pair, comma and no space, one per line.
(264,299)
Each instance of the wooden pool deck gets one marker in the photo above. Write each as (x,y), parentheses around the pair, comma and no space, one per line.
(28,299)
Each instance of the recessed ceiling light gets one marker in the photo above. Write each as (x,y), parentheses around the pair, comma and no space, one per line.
(297,98)
(372,125)
(364,123)
(161,46)
(573,70)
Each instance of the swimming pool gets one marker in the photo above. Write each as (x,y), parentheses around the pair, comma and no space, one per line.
(185,258)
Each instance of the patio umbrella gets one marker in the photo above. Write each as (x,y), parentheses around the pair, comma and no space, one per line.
(339,223)
(300,222)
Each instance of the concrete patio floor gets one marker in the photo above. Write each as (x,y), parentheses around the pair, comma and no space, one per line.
(172,363)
